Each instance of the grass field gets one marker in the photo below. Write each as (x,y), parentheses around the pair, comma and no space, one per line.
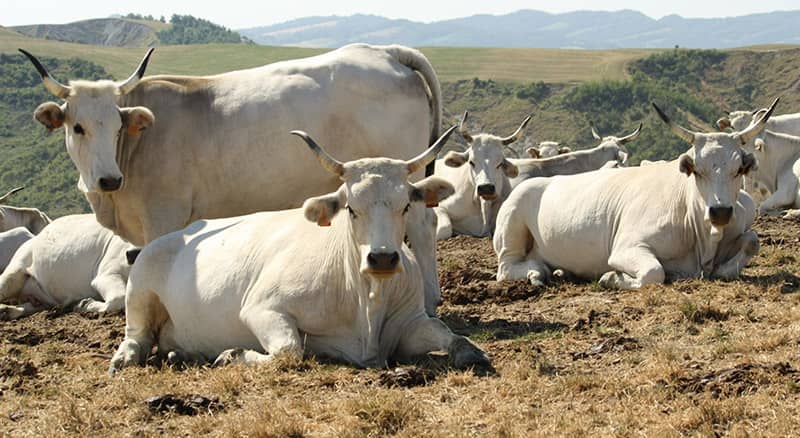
(513,65)
(692,358)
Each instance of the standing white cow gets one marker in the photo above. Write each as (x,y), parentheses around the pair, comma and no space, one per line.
(13,217)
(480,187)
(245,289)
(155,154)
(73,259)
(635,226)
(10,241)
(611,152)
(547,149)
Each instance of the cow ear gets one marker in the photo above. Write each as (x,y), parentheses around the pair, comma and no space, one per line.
(723,123)
(509,169)
(322,209)
(50,114)
(136,119)
(760,145)
(564,150)
(749,163)
(533,152)
(686,164)
(622,157)
(432,190)
(455,159)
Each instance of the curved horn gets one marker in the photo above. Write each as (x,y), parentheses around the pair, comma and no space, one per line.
(596,136)
(430,154)
(331,164)
(683,133)
(515,136)
(462,129)
(632,136)
(127,86)
(53,86)
(754,129)
(11,192)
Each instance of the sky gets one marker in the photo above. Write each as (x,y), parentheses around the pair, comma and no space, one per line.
(237,14)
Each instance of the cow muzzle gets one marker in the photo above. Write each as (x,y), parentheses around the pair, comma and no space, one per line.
(720,215)
(487,192)
(383,263)
(109,183)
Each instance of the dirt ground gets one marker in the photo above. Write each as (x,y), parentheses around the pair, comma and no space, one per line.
(688,358)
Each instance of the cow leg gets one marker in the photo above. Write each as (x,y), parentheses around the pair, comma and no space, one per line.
(144,315)
(427,334)
(111,288)
(746,247)
(444,226)
(421,225)
(784,195)
(276,332)
(634,268)
(9,312)
(517,258)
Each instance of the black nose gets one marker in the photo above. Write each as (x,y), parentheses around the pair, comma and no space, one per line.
(720,215)
(109,184)
(486,190)
(383,261)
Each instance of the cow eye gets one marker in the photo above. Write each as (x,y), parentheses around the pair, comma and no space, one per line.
(78,129)
(472,163)
(405,210)
(499,165)
(352,213)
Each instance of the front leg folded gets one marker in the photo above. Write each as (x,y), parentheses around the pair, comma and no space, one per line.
(633,268)
(430,334)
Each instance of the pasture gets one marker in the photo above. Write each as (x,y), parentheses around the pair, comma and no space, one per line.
(692,357)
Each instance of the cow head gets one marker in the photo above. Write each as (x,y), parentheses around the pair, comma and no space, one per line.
(487,163)
(377,195)
(93,123)
(547,149)
(740,120)
(616,145)
(716,163)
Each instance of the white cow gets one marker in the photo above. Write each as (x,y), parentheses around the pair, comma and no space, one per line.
(778,158)
(635,226)
(480,187)
(73,259)
(13,217)
(10,241)
(611,152)
(547,149)
(245,289)
(218,146)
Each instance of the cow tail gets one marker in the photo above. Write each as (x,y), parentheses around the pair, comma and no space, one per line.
(13,277)
(415,60)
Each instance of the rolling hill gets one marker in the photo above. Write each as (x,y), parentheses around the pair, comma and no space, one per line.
(101,32)
(529,28)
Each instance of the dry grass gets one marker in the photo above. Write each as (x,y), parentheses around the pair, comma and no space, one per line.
(690,358)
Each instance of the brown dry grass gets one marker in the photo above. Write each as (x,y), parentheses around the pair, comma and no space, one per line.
(690,358)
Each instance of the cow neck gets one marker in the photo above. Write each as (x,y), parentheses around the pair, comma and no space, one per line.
(706,237)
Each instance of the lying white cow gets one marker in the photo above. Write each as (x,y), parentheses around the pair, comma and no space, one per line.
(547,149)
(778,170)
(10,241)
(635,226)
(13,217)
(611,152)
(480,187)
(73,259)
(157,153)
(247,288)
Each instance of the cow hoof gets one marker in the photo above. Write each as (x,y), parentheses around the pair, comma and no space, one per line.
(5,314)
(86,305)
(535,278)
(610,280)
(128,353)
(228,357)
(465,354)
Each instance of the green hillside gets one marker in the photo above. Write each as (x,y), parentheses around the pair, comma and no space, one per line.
(565,89)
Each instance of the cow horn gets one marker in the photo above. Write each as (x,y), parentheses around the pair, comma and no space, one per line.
(632,136)
(53,86)
(596,136)
(430,154)
(462,129)
(11,192)
(515,136)
(328,162)
(127,86)
(754,129)
(683,133)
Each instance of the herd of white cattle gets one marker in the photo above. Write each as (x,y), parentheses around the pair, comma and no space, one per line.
(195,184)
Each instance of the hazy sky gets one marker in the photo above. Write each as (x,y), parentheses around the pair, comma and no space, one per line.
(243,13)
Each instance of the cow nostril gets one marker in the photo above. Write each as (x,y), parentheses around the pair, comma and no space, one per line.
(720,214)
(486,189)
(383,261)
(109,184)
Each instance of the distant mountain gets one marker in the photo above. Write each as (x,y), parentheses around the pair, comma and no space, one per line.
(528,28)
(101,31)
